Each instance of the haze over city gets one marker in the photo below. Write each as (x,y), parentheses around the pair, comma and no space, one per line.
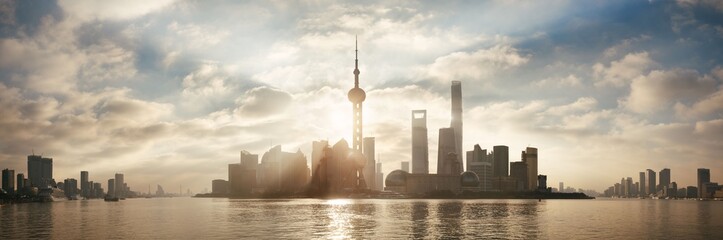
(169,92)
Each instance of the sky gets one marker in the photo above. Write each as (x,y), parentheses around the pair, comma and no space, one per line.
(169,92)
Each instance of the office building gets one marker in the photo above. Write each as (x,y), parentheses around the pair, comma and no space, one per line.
(317,152)
(447,161)
(651,178)
(529,157)
(629,187)
(379,177)
(643,189)
(281,172)
(501,160)
(219,186)
(420,147)
(703,177)
(542,182)
(562,187)
(84,184)
(479,162)
(20,182)
(8,180)
(370,166)
(40,171)
(518,172)
(97,190)
(420,184)
(405,166)
(691,192)
(70,186)
(664,178)
(456,124)
(709,188)
(111,188)
(120,186)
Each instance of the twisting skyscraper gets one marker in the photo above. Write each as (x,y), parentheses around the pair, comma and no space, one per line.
(356,97)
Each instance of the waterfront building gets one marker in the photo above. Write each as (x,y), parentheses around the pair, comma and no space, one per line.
(84,184)
(420,147)
(501,160)
(70,186)
(664,178)
(370,166)
(219,186)
(542,182)
(703,177)
(317,151)
(445,164)
(379,177)
(420,184)
(642,188)
(650,174)
(120,186)
(283,171)
(529,157)
(518,172)
(40,171)
(479,162)
(111,188)
(97,190)
(20,181)
(709,188)
(562,189)
(691,192)
(456,124)
(8,178)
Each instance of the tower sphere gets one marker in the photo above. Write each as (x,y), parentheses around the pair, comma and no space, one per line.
(357,95)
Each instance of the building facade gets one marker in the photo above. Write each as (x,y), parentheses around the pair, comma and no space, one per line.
(420,144)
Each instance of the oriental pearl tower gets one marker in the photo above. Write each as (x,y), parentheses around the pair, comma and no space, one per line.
(356,97)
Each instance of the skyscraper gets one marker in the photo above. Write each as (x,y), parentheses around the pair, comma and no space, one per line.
(703,178)
(111,188)
(120,186)
(446,146)
(20,181)
(317,152)
(530,158)
(643,189)
(481,164)
(370,167)
(8,180)
(518,172)
(84,184)
(562,187)
(457,117)
(501,160)
(40,171)
(664,179)
(356,96)
(379,177)
(420,148)
(405,166)
(651,181)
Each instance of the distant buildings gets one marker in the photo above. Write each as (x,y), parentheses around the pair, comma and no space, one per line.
(519,173)
(446,163)
(529,157)
(664,178)
(120,186)
(84,184)
(40,171)
(456,123)
(71,188)
(703,177)
(219,186)
(650,175)
(479,162)
(420,148)
(501,160)
(111,188)
(370,166)
(379,177)
(8,177)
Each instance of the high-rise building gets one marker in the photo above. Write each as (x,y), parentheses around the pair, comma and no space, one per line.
(40,171)
(8,180)
(446,164)
(317,152)
(97,190)
(84,184)
(664,179)
(529,156)
(542,182)
(643,189)
(629,187)
(370,166)
(379,177)
(703,177)
(120,186)
(20,182)
(518,172)
(357,96)
(420,148)
(501,161)
(481,164)
(405,166)
(111,188)
(650,174)
(71,187)
(457,118)
(562,187)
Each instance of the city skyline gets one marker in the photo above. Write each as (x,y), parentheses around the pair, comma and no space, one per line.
(170,85)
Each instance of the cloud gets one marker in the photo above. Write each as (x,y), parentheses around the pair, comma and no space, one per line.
(621,72)
(707,105)
(569,81)
(659,89)
(477,65)
(90,10)
(262,102)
